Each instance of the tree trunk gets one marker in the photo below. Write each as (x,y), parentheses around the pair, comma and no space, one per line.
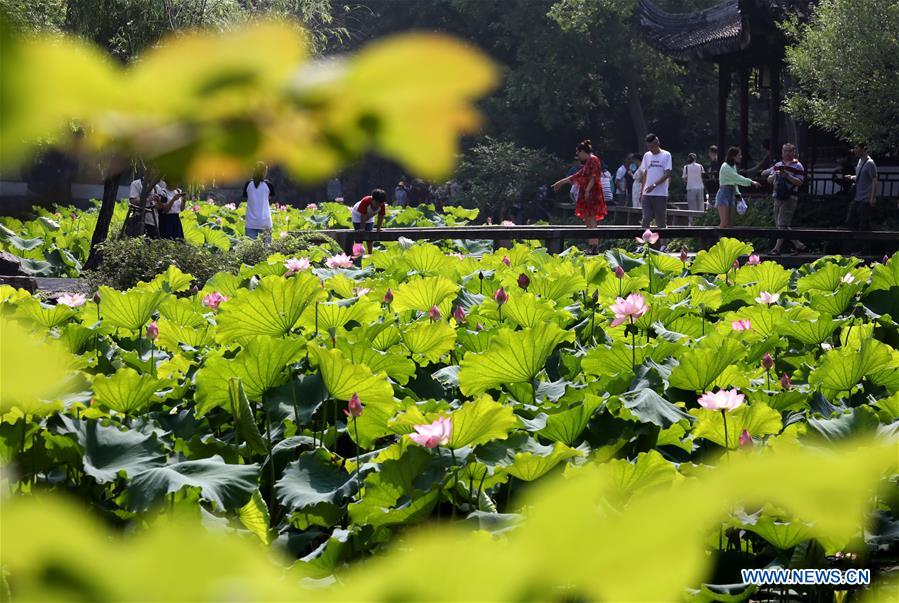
(107,208)
(635,107)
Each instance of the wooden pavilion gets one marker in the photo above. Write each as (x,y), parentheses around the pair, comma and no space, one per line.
(743,38)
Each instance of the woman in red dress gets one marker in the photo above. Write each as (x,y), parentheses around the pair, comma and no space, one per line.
(590,206)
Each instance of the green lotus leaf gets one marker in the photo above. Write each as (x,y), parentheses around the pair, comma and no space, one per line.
(45,315)
(259,365)
(524,309)
(216,238)
(833,304)
(172,335)
(76,337)
(126,391)
(611,286)
(721,257)
(698,368)
(33,370)
(427,259)
(273,308)
(852,424)
(225,283)
(647,472)
(614,359)
(228,487)
(423,293)
(810,332)
(412,477)
(172,280)
(244,420)
(757,418)
(842,369)
(826,278)
(558,283)
(430,341)
(885,276)
(767,276)
(480,422)
(765,320)
(888,374)
(336,314)
(783,535)
(532,465)
(344,378)
(322,562)
(474,341)
(649,407)
(129,309)
(314,479)
(567,425)
(710,297)
(889,408)
(511,357)
(397,366)
(254,517)
(108,451)
(185,311)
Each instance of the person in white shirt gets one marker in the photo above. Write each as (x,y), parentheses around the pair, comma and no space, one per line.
(259,192)
(657,167)
(169,219)
(621,187)
(637,187)
(693,173)
(153,201)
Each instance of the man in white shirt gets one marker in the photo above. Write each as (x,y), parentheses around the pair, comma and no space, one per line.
(621,191)
(657,167)
(154,198)
(258,192)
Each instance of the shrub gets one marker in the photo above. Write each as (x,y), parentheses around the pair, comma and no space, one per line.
(129,261)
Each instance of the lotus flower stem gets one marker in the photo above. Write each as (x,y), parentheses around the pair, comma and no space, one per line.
(726,443)
(500,308)
(316,319)
(455,482)
(271,462)
(358,466)
(633,350)
(477,500)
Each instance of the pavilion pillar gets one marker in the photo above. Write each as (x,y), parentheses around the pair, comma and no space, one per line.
(744,115)
(774,110)
(724,73)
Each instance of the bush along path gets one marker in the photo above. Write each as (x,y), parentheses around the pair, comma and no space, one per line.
(322,404)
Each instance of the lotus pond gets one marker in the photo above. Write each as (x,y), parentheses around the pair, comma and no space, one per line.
(417,424)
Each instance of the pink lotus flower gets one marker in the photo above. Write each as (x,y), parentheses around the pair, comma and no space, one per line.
(619,272)
(459,315)
(743,324)
(295,265)
(460,256)
(214,300)
(847,279)
(479,327)
(312,206)
(338,199)
(72,300)
(360,291)
(767,361)
(767,298)
(506,260)
(785,382)
(507,223)
(649,237)
(358,250)
(436,434)
(341,260)
(524,280)
(434,313)
(500,296)
(231,206)
(746,440)
(630,309)
(886,258)
(726,399)
(353,407)
(388,297)
(152,330)
(753,260)
(195,207)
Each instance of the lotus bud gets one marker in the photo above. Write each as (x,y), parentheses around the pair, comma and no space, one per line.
(785,382)
(507,261)
(746,440)
(479,327)
(683,255)
(459,315)
(523,280)
(886,258)
(500,297)
(767,361)
(388,297)
(353,407)
(97,297)
(619,272)
(736,264)
(434,313)
(152,330)
(595,297)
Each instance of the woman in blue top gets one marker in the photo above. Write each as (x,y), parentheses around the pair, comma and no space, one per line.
(729,181)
